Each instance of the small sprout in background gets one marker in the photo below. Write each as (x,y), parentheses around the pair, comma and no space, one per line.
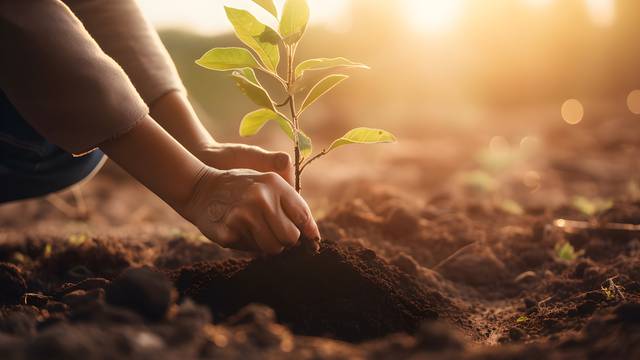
(591,207)
(47,251)
(478,180)
(77,239)
(565,251)
(268,44)
(612,290)
(498,156)
(511,207)
(19,258)
(522,319)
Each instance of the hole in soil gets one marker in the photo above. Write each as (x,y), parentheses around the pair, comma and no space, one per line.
(344,292)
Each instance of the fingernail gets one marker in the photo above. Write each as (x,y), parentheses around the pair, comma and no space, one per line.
(312,246)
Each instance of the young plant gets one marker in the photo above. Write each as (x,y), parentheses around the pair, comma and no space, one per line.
(269,44)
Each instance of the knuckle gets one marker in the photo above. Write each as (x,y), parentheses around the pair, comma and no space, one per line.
(270,177)
(302,218)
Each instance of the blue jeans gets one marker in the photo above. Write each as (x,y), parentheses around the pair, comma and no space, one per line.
(31,166)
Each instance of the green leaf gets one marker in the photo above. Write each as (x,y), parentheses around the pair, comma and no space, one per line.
(256,35)
(321,88)
(230,58)
(253,122)
(326,63)
(295,16)
(267,5)
(304,142)
(363,135)
(249,85)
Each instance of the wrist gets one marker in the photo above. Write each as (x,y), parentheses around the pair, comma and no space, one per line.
(157,160)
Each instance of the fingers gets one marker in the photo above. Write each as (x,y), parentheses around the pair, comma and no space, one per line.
(235,156)
(282,227)
(298,211)
(264,238)
(255,230)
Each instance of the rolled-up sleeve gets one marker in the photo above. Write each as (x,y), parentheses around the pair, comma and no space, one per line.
(125,34)
(60,80)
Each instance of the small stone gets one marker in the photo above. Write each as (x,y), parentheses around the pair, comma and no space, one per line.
(37,300)
(87,284)
(144,291)
(529,303)
(516,334)
(12,284)
(56,307)
(253,314)
(83,297)
(437,336)
(596,296)
(406,263)
(587,307)
(525,277)
(629,313)
(401,222)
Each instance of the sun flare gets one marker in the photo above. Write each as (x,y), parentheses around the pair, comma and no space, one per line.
(433,16)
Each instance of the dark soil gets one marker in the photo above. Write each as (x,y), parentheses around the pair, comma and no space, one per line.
(345,292)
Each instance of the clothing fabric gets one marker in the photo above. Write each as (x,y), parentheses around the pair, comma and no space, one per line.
(83,72)
(31,166)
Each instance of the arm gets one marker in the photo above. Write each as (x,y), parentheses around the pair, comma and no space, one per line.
(125,34)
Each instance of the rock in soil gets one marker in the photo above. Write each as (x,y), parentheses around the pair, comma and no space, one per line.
(12,284)
(144,291)
(345,292)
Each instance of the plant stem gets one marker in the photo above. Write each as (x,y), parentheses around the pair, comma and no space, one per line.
(291,50)
(311,159)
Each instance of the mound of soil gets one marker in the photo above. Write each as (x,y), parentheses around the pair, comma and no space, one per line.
(345,292)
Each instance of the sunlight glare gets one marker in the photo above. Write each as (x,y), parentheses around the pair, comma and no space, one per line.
(633,102)
(602,12)
(433,16)
(538,3)
(572,111)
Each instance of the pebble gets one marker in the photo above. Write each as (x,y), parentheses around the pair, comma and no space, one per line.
(147,292)
(12,284)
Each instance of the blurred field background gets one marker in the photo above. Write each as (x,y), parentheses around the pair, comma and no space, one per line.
(453,79)
(434,63)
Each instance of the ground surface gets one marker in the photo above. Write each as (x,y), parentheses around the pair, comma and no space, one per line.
(441,246)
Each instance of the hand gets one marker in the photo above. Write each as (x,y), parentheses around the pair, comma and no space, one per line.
(240,156)
(249,210)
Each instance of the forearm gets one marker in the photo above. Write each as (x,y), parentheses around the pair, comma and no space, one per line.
(176,115)
(158,161)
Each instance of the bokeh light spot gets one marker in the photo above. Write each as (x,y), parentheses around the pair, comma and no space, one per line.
(531,179)
(498,144)
(602,12)
(633,102)
(433,16)
(572,111)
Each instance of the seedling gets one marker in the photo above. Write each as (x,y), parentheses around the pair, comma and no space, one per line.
(591,207)
(612,290)
(268,44)
(565,251)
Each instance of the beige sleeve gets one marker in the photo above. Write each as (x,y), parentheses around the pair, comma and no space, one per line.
(60,80)
(124,33)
